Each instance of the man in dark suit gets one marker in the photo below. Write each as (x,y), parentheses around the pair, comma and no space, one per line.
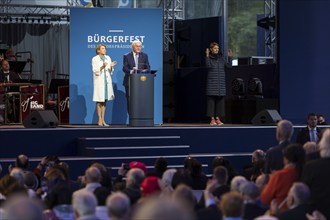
(274,155)
(6,75)
(311,132)
(134,61)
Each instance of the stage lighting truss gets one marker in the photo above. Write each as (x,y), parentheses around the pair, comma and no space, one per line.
(255,88)
(238,88)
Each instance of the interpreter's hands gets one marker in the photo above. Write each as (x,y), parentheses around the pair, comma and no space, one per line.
(114,63)
(207,52)
(230,53)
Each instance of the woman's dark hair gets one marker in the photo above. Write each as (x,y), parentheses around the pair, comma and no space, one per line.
(295,153)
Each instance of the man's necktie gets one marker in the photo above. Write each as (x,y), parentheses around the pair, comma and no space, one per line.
(136,59)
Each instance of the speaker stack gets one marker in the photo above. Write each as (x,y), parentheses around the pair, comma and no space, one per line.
(41,119)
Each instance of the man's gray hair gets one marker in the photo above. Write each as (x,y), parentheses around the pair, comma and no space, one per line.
(84,202)
(118,205)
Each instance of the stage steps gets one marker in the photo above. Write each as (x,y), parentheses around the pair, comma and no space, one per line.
(124,149)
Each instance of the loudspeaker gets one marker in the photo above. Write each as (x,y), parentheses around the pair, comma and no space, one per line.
(41,119)
(266,117)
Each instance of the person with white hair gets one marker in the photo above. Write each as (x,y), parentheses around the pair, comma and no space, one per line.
(316,174)
(118,206)
(274,155)
(236,183)
(135,60)
(167,180)
(84,205)
(92,179)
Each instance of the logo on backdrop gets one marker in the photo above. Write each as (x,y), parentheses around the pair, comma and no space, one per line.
(64,104)
(115,39)
(33,104)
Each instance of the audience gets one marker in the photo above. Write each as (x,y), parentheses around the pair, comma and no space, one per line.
(170,193)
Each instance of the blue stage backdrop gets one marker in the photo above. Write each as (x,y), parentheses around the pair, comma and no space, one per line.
(117,28)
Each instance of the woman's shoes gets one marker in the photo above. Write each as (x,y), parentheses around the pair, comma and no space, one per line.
(105,124)
(218,122)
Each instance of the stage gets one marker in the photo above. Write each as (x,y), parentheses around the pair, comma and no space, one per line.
(79,145)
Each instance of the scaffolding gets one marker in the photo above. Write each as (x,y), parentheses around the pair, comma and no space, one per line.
(270,34)
(32,13)
(173,10)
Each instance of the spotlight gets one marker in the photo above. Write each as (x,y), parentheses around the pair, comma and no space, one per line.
(238,88)
(255,88)
(267,22)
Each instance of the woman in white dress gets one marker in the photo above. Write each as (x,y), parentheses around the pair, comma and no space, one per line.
(103,68)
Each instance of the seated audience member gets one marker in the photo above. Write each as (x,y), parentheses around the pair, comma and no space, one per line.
(119,183)
(311,151)
(221,161)
(134,178)
(211,210)
(194,168)
(22,162)
(220,175)
(298,203)
(252,171)
(118,206)
(321,120)
(317,176)
(199,179)
(150,186)
(92,179)
(160,167)
(184,194)
(232,206)
(311,132)
(84,205)
(167,180)
(274,155)
(20,176)
(106,180)
(261,183)
(22,207)
(163,209)
(250,193)
(9,186)
(181,176)
(236,183)
(55,188)
(281,181)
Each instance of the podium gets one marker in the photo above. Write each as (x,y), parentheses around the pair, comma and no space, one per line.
(141,99)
